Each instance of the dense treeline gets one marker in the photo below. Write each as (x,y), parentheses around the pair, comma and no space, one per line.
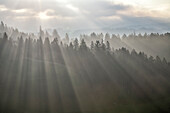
(46,76)
(152,44)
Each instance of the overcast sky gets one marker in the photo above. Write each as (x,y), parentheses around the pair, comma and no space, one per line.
(28,15)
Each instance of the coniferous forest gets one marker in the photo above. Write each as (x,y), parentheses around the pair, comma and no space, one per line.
(93,73)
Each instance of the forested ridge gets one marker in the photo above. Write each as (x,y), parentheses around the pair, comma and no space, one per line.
(152,44)
(46,75)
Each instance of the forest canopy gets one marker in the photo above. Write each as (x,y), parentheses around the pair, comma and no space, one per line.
(94,73)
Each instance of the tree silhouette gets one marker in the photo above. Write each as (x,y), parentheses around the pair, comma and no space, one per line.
(76,44)
(43,75)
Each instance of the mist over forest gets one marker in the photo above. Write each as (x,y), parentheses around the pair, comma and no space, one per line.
(92,73)
(153,44)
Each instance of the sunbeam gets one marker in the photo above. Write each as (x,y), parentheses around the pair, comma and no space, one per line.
(88,56)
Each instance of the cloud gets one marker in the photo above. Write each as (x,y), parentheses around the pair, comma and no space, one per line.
(51,14)
(30,13)
(81,14)
(3,8)
(20,11)
(143,12)
(115,18)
